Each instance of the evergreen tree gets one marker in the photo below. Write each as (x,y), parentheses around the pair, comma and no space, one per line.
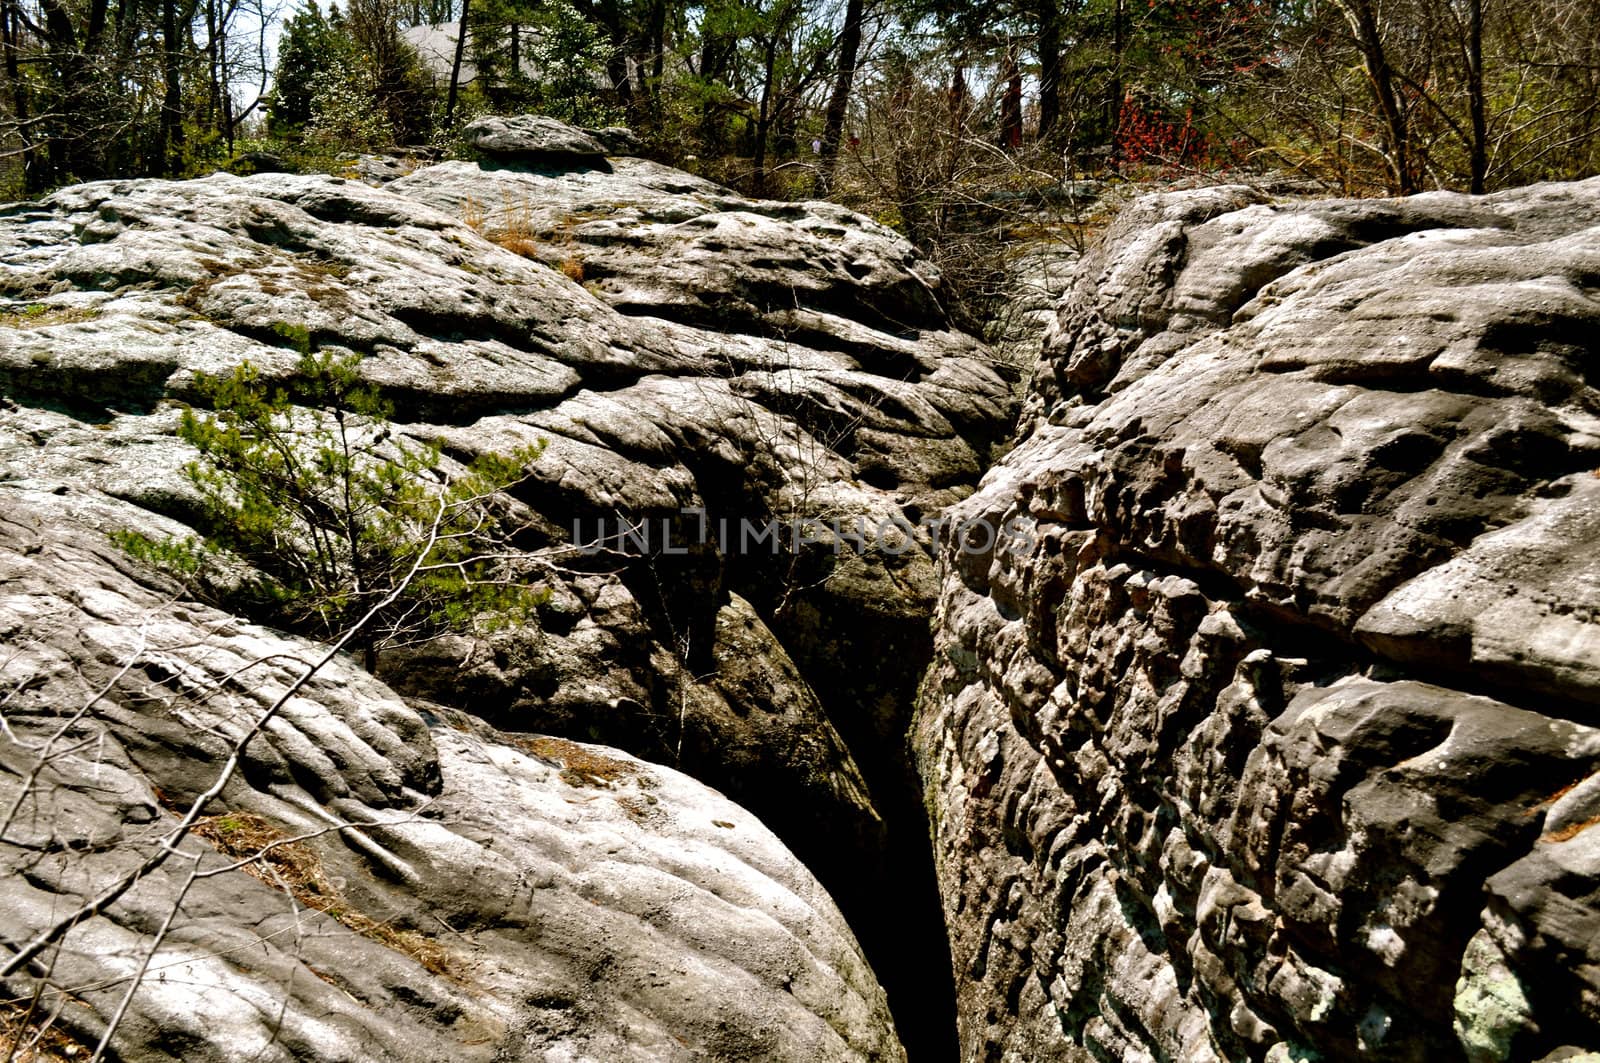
(500,32)
(336,516)
(542,56)
(311,46)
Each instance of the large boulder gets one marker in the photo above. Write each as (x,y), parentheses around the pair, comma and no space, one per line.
(533,138)
(1270,728)
(811,376)
(426,888)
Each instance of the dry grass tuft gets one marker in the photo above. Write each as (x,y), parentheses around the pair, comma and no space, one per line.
(295,869)
(517,245)
(580,766)
(512,227)
(433,957)
(573,268)
(40,315)
(24,1038)
(287,866)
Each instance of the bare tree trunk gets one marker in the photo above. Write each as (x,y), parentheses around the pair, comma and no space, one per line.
(716,58)
(21,103)
(786,120)
(229,121)
(172,98)
(1475,102)
(234,119)
(608,14)
(96,26)
(1363,22)
(617,71)
(64,150)
(839,100)
(658,56)
(1011,104)
(1114,91)
(758,165)
(958,100)
(455,64)
(1049,67)
(213,66)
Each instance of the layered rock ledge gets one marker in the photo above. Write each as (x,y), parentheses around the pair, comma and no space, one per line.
(1273,733)
(677,349)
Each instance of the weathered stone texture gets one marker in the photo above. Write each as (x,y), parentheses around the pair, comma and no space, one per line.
(1275,735)
(674,346)
(540,900)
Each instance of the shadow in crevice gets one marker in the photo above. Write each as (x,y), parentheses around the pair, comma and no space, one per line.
(865,668)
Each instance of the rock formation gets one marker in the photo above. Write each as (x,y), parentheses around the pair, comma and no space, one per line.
(503,897)
(1272,730)
(1262,719)
(681,351)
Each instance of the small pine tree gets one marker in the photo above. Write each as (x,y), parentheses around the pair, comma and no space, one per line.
(337,516)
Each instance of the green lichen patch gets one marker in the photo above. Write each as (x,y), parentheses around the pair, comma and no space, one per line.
(1491,1002)
(42,315)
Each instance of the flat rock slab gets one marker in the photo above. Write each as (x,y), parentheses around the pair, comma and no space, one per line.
(1272,734)
(534,138)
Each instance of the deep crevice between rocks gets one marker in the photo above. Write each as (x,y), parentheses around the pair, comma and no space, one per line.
(864,667)
(893,905)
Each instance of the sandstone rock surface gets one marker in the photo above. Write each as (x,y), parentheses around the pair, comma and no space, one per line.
(503,897)
(745,361)
(532,137)
(1273,734)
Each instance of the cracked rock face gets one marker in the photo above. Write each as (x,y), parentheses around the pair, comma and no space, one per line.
(742,360)
(1274,731)
(506,898)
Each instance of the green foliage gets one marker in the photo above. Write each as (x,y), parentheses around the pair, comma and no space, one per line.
(311,46)
(390,69)
(570,55)
(183,558)
(449,140)
(544,57)
(345,112)
(1360,95)
(499,32)
(335,514)
(348,81)
(40,315)
(296,336)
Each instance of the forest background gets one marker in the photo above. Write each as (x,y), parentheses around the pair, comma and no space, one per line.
(913,110)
